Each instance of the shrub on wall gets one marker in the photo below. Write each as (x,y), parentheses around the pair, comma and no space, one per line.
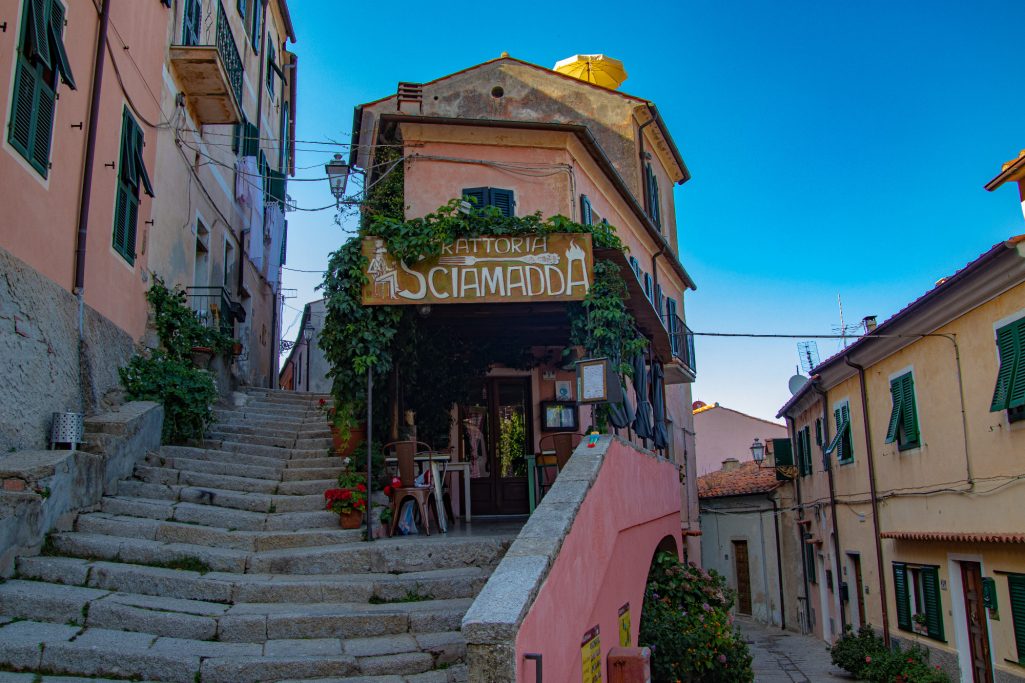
(865,656)
(686,622)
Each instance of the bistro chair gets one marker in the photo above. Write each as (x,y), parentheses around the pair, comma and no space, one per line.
(405,455)
(554,451)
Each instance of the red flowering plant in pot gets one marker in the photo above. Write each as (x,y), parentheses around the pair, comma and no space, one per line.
(349,500)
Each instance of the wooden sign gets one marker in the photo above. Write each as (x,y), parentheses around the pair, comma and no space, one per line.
(590,654)
(490,269)
(597,382)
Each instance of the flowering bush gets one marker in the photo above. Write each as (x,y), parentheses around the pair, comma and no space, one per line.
(866,657)
(351,493)
(686,622)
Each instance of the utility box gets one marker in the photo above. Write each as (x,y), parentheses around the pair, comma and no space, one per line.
(629,665)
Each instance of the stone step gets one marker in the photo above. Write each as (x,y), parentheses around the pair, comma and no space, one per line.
(147,552)
(291,442)
(224,498)
(238,623)
(283,395)
(306,487)
(196,534)
(273,428)
(269,416)
(284,408)
(11,677)
(236,446)
(171,477)
(228,469)
(266,588)
(225,518)
(213,455)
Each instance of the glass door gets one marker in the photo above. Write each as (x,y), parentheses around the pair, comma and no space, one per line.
(495,437)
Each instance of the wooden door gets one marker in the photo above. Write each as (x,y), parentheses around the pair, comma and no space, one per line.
(859,588)
(975,613)
(496,434)
(742,569)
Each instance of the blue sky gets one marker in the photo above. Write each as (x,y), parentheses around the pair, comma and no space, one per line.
(836,148)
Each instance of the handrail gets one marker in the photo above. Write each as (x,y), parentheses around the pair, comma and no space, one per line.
(681,340)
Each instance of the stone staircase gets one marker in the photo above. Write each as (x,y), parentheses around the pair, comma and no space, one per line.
(217,563)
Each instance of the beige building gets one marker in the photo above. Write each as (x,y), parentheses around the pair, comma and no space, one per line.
(908,446)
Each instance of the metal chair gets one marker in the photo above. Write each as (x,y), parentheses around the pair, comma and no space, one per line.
(405,454)
(554,451)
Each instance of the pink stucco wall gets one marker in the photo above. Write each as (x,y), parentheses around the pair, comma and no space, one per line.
(603,564)
(723,433)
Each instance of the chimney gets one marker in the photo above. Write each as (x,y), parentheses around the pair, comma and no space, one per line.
(869,321)
(730,464)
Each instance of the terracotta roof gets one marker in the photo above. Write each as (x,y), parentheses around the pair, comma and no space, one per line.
(954,536)
(745,479)
(943,285)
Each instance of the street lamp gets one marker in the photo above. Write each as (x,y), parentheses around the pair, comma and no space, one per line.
(758,452)
(307,337)
(338,174)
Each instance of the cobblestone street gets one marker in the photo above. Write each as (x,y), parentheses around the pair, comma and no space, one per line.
(787,657)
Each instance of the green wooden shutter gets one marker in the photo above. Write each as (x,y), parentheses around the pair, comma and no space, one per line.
(586,216)
(276,187)
(1016,588)
(191,22)
(933,604)
(504,201)
(807,450)
(900,594)
(23,108)
(818,431)
(55,34)
(909,412)
(809,561)
(251,140)
(478,195)
(837,443)
(36,45)
(897,396)
(257,17)
(1009,345)
(1016,395)
(783,452)
(126,201)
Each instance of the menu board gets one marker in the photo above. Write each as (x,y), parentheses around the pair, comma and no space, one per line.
(591,379)
(590,653)
(624,625)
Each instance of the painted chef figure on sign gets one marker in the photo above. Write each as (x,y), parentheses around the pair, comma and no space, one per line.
(382,272)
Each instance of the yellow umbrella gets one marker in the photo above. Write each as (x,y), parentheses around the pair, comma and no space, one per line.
(598,69)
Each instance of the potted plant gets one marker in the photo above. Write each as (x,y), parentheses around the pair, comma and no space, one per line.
(349,500)
(346,434)
(920,625)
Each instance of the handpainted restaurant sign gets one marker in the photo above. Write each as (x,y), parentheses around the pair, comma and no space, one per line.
(555,267)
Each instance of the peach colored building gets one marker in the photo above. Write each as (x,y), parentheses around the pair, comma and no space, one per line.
(527,139)
(908,447)
(97,191)
(724,433)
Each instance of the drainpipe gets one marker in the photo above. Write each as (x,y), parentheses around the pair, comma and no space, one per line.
(779,563)
(259,135)
(86,196)
(875,499)
(832,501)
(806,626)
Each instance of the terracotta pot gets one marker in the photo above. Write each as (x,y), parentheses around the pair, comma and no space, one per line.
(350,520)
(236,349)
(201,356)
(347,448)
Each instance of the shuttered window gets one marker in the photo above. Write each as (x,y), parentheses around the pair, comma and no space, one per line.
(842,442)
(809,562)
(648,292)
(256,26)
(804,451)
(900,593)
(917,594)
(1010,387)
(276,188)
(636,267)
(132,177)
(903,427)
(933,608)
(1016,588)
(40,61)
(653,196)
(783,455)
(251,141)
(503,200)
(272,69)
(586,215)
(191,22)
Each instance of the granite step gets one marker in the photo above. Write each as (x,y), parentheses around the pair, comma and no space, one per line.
(224,498)
(273,428)
(215,516)
(234,445)
(214,455)
(187,477)
(224,468)
(289,441)
(266,415)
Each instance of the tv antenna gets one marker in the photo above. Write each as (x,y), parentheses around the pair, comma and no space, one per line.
(808,352)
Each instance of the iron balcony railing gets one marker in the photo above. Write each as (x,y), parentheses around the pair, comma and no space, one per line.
(681,339)
(215,309)
(196,31)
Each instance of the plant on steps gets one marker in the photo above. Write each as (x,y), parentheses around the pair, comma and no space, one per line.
(167,375)
(686,622)
(349,500)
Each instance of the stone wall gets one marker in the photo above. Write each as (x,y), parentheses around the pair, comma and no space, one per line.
(43,489)
(39,356)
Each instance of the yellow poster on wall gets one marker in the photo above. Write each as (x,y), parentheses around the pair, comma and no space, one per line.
(590,652)
(624,625)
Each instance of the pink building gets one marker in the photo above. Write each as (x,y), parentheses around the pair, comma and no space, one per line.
(724,433)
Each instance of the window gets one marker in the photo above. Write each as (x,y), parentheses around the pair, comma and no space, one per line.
(256,27)
(283,146)
(904,416)
(842,442)
(636,267)
(41,59)
(1016,588)
(917,594)
(191,22)
(660,300)
(672,326)
(809,562)
(818,431)
(503,200)
(132,177)
(804,451)
(586,214)
(653,197)
(1009,393)
(272,69)
(648,293)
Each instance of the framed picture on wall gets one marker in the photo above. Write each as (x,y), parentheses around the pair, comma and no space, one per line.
(559,416)
(564,390)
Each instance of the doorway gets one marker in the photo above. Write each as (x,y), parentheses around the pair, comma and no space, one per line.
(859,588)
(742,569)
(975,616)
(496,433)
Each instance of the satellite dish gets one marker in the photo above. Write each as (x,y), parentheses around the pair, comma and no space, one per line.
(796,382)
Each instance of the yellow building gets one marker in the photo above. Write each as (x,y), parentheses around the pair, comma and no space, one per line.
(909,449)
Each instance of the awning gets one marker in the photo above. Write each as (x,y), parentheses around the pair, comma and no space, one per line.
(953,536)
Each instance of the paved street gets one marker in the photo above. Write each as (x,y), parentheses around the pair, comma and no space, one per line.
(787,657)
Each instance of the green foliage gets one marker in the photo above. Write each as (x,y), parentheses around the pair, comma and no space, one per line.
(512,442)
(167,376)
(686,622)
(438,366)
(866,657)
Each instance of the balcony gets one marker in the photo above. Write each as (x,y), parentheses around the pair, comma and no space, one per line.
(207,65)
(215,309)
(683,368)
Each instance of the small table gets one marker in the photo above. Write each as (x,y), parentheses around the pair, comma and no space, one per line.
(435,461)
